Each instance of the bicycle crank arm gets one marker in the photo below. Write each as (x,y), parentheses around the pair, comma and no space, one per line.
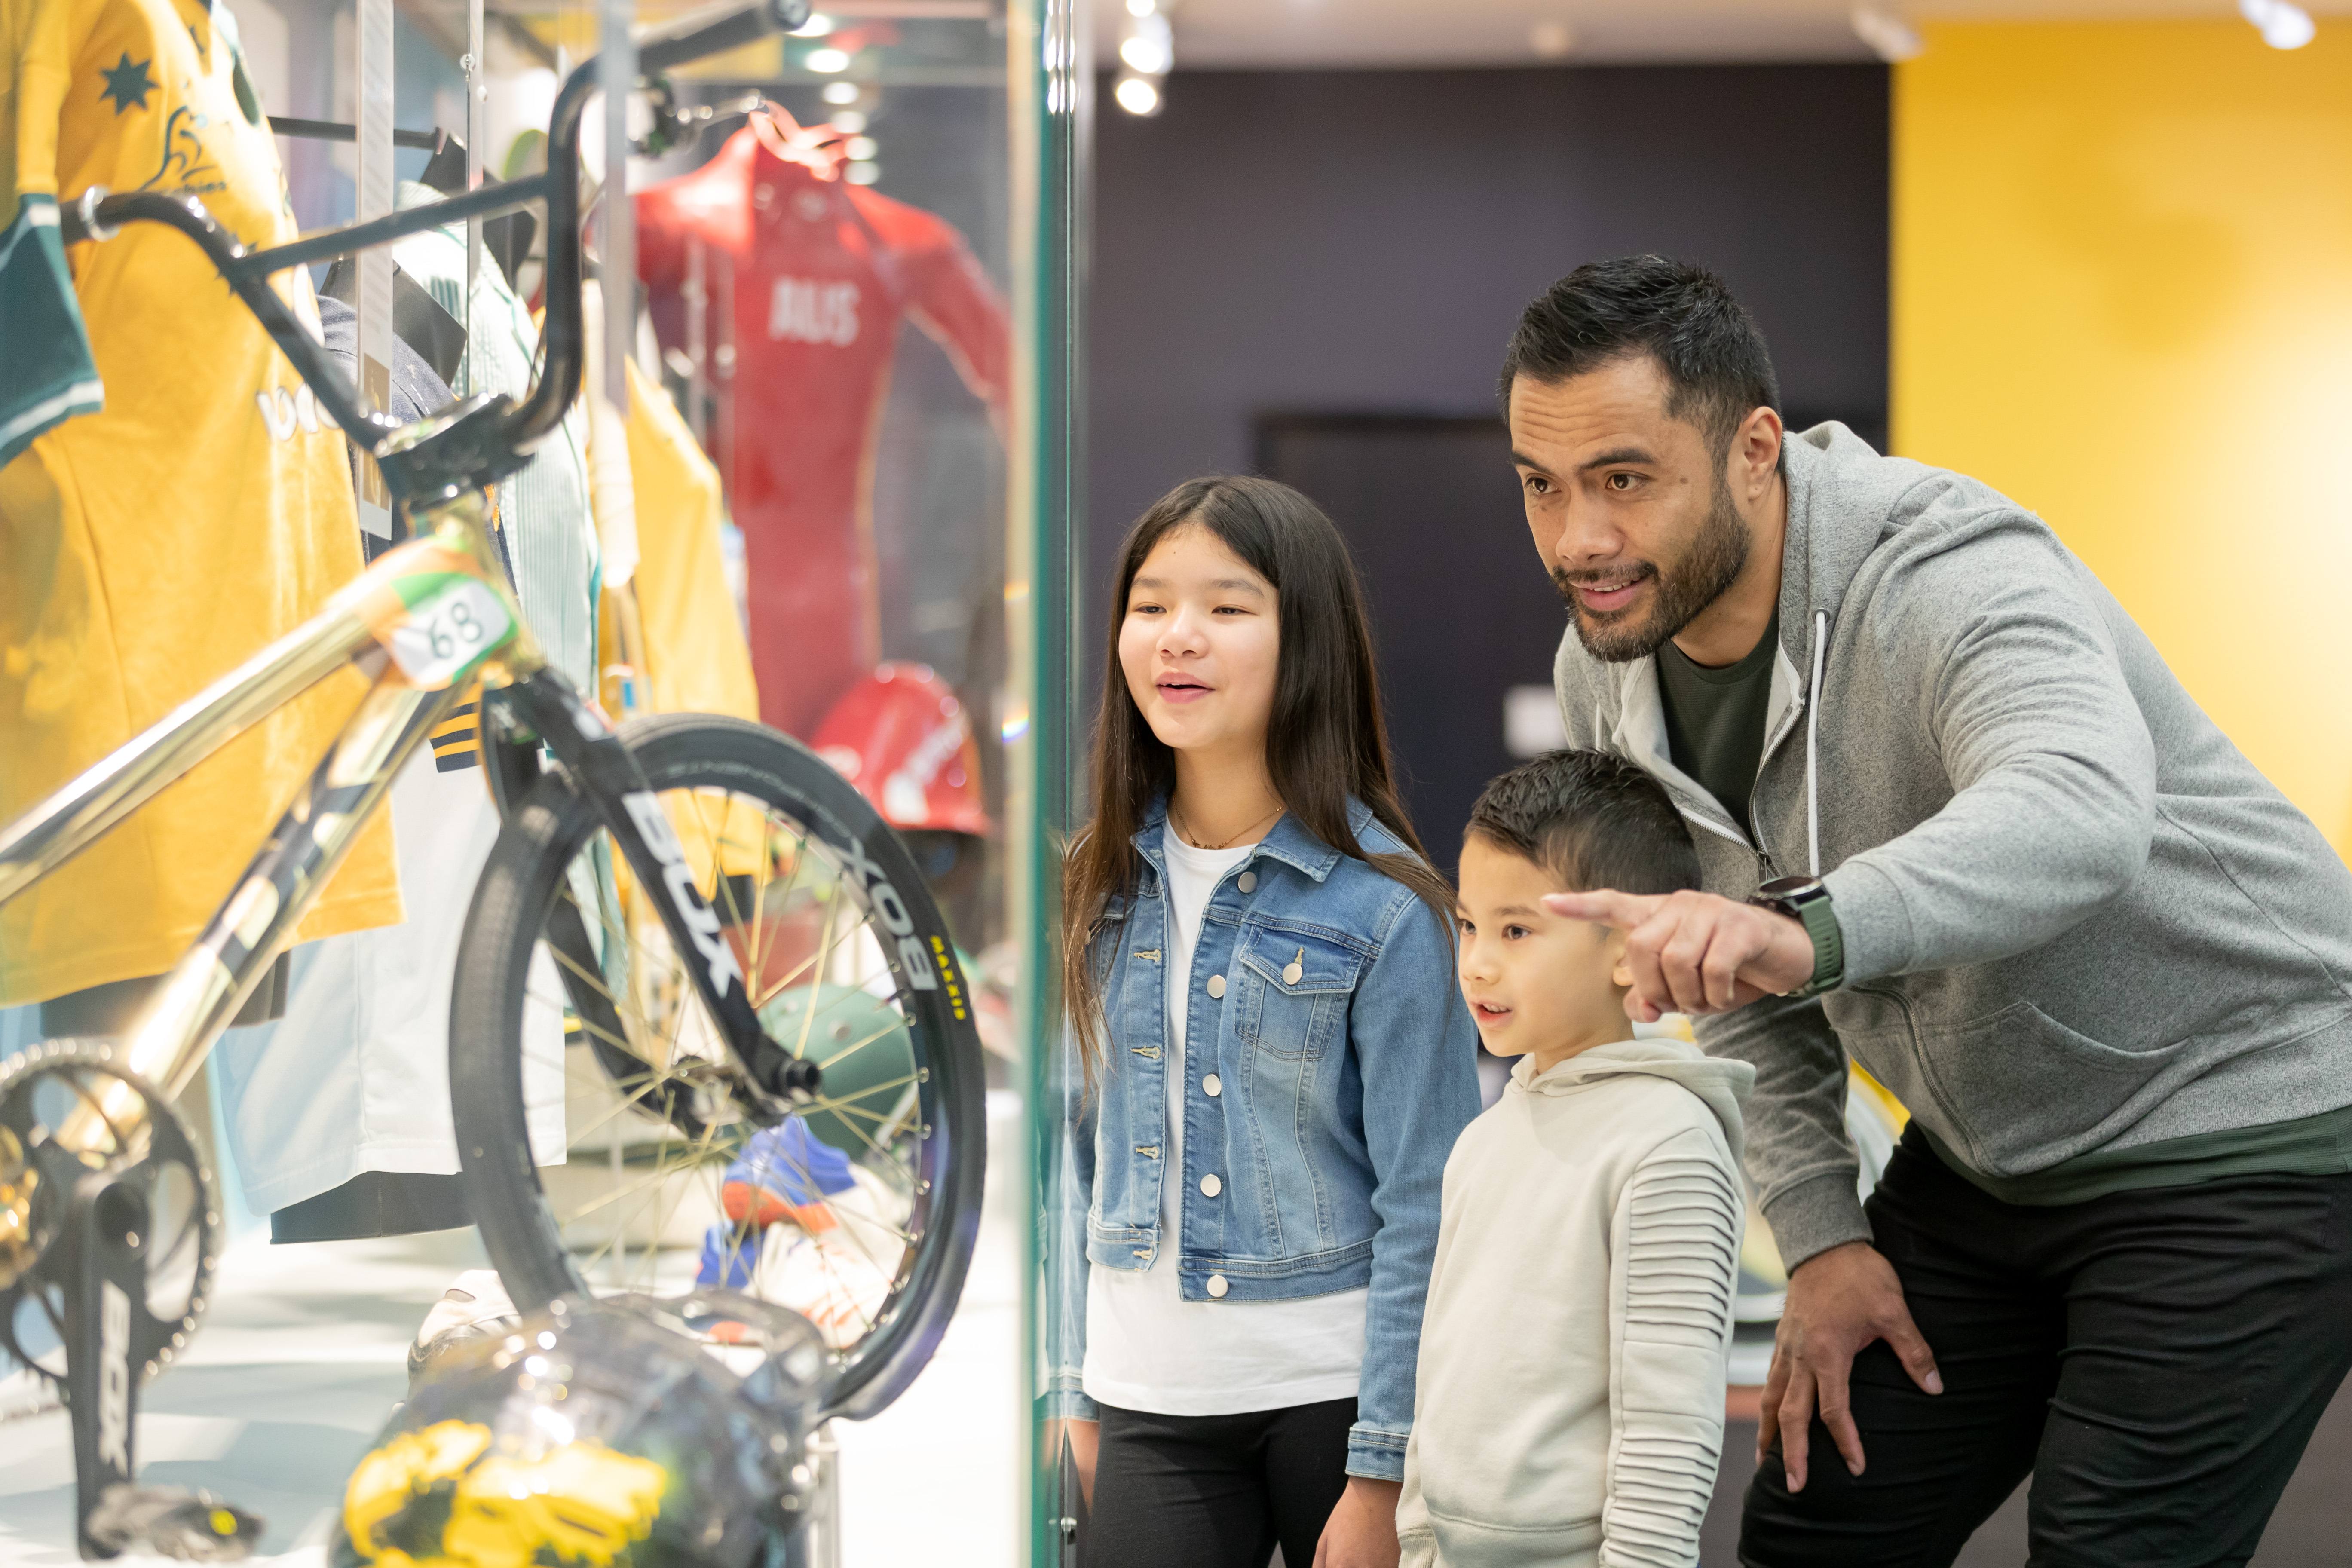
(601,770)
(111,1341)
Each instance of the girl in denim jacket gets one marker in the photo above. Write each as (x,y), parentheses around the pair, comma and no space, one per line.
(1259,967)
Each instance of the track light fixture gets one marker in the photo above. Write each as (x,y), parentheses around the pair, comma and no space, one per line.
(1146,51)
(2282,25)
(1890,38)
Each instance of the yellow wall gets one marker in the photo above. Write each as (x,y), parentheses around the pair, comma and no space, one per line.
(2123,295)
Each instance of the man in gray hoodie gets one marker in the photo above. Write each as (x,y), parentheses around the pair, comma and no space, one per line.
(1957,821)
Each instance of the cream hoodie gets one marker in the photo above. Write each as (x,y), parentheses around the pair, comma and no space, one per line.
(1570,1411)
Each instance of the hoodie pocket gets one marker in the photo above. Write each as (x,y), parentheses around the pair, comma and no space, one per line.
(1295,990)
(2017,1080)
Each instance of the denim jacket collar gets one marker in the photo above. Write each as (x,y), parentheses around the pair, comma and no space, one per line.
(1287,841)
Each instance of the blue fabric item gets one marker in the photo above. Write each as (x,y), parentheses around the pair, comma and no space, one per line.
(785,1161)
(1348,1064)
(726,1260)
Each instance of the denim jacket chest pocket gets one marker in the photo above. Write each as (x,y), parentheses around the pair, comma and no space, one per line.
(1295,990)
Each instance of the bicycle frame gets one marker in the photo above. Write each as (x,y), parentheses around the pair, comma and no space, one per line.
(372,624)
(439,471)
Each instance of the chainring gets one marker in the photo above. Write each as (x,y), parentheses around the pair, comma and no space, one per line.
(68,1110)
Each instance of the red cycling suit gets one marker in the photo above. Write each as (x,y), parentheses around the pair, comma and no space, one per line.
(822,273)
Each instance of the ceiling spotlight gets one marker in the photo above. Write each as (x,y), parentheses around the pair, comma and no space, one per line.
(2281,25)
(1142,7)
(816,26)
(1552,40)
(1890,38)
(1137,95)
(825,62)
(840,92)
(861,148)
(849,123)
(1149,47)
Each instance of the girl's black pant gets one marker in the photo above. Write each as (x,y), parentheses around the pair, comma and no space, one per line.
(1216,1491)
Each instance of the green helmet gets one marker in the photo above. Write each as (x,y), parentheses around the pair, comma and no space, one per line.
(860,1040)
(599,1435)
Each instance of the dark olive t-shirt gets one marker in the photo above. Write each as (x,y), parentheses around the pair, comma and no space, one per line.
(1715,718)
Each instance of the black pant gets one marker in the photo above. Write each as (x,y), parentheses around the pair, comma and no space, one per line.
(2155,1360)
(1216,1491)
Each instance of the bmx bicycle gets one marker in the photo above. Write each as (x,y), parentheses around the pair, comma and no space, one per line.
(725,934)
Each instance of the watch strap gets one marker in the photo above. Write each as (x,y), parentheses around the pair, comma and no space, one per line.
(1809,905)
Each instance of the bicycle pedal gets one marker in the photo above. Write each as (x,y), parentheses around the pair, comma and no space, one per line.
(189,1527)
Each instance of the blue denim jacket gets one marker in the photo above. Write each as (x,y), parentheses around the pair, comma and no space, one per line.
(1348,1065)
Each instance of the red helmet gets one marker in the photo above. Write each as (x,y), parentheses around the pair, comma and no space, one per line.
(902,737)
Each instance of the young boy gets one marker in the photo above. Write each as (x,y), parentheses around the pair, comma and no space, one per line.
(1571,1401)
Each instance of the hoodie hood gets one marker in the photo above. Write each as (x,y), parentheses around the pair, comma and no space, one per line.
(1721,1084)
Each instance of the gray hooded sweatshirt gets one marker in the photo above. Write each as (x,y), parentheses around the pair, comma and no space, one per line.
(2075,919)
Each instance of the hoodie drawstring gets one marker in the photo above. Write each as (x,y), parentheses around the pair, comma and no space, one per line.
(1812,732)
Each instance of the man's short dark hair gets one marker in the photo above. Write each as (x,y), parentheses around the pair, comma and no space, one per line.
(1717,367)
(1591,820)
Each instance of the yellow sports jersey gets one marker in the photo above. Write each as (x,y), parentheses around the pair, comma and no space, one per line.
(171,500)
(694,643)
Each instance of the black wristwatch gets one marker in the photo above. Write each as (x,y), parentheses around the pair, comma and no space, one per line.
(1807,901)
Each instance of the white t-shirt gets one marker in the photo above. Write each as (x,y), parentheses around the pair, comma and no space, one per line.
(355,1078)
(1147,1348)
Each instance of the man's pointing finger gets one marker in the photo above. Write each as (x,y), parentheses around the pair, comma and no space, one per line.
(1623,910)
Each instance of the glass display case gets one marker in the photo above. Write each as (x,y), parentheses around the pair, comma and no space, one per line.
(823,476)
(835,488)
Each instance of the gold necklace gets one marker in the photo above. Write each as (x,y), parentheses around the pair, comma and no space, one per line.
(1185,833)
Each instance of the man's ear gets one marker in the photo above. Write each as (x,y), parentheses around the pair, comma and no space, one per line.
(1754,454)
(1621,972)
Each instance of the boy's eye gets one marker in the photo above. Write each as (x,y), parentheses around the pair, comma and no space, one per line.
(1512,933)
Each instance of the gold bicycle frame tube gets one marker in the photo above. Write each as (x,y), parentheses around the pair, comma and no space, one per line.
(169,1040)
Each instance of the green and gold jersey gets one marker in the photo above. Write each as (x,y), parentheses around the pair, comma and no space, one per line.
(172,499)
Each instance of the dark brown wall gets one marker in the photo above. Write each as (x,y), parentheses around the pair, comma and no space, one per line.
(1362,242)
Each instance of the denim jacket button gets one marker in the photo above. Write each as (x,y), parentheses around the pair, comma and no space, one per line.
(1247,883)
(1212,1086)
(1217,1285)
(1216,986)
(1211,1186)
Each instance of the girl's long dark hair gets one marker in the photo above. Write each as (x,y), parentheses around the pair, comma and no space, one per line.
(1324,742)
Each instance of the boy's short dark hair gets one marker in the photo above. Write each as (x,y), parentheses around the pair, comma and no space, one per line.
(1591,820)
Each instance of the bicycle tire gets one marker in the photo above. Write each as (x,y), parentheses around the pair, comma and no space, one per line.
(524,885)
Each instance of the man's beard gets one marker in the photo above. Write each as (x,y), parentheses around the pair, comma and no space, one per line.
(1712,564)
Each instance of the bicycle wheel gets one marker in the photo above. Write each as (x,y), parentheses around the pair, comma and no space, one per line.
(866,1202)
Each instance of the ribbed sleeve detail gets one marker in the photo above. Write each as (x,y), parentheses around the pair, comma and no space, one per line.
(1681,1260)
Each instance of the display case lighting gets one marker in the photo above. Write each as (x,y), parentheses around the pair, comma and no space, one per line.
(816,26)
(849,123)
(861,148)
(826,62)
(1137,95)
(838,92)
(1147,52)
(864,173)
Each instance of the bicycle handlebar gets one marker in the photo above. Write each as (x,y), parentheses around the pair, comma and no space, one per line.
(496,431)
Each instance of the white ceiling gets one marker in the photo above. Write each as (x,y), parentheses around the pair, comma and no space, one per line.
(1338,34)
